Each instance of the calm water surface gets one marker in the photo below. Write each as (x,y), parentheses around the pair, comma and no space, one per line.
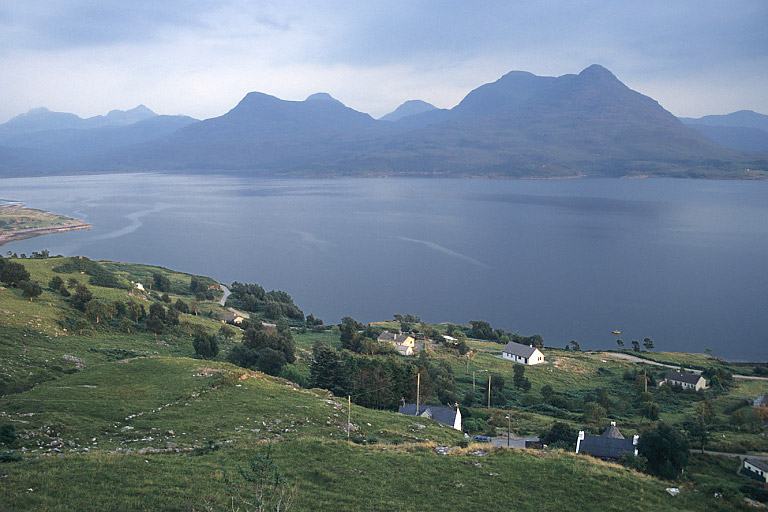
(680,261)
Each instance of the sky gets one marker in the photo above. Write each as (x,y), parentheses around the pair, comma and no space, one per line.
(200,57)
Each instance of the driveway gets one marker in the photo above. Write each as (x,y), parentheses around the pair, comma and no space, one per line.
(635,359)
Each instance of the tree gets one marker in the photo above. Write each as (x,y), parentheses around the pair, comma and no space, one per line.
(206,345)
(575,345)
(547,392)
(55,283)
(593,412)
(81,296)
(13,273)
(243,356)
(227,332)
(160,282)
(270,361)
(155,325)
(350,338)
(620,344)
(561,435)
(327,370)
(636,345)
(697,431)
(95,308)
(30,289)
(157,309)
(666,450)
(648,344)
(481,330)
(519,375)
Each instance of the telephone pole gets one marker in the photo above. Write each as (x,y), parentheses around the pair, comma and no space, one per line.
(489,391)
(349,414)
(418,385)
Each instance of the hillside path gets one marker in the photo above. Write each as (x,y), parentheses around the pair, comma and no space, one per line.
(227,293)
(636,359)
(726,454)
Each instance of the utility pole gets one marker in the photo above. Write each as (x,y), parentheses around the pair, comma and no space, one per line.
(473,381)
(508,421)
(645,381)
(489,391)
(349,414)
(418,386)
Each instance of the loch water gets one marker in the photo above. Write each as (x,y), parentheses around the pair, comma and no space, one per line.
(680,261)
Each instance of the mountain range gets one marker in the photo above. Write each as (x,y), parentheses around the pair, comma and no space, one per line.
(522,125)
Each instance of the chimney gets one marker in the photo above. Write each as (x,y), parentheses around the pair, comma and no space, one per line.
(635,438)
(402,401)
(613,423)
(579,440)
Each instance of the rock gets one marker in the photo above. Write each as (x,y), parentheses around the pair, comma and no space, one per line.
(443,450)
(169,444)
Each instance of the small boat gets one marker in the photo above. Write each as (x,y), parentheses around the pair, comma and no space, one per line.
(616,332)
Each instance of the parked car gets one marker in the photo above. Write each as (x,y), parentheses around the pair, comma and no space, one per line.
(481,439)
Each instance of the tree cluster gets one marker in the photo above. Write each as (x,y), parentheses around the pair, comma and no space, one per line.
(274,304)
(264,348)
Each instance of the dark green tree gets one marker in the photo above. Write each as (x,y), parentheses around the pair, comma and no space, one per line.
(575,345)
(636,345)
(30,289)
(155,325)
(648,344)
(270,361)
(519,375)
(666,449)
(206,345)
(620,344)
(327,370)
(55,283)
(81,296)
(561,435)
(243,356)
(481,330)
(497,392)
(13,273)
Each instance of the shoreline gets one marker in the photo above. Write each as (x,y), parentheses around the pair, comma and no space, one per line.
(10,209)
(23,234)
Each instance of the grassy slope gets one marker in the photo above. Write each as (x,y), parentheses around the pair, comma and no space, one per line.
(171,398)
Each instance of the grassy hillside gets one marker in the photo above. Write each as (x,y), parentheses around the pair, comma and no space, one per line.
(132,421)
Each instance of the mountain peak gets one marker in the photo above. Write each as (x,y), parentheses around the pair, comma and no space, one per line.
(409,108)
(598,72)
(322,96)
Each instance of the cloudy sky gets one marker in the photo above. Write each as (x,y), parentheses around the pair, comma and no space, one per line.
(200,57)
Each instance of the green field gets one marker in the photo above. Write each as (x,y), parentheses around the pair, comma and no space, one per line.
(112,420)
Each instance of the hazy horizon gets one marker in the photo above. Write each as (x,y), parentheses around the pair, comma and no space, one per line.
(200,58)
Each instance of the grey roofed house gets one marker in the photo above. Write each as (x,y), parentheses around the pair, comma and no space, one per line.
(517,349)
(758,468)
(761,401)
(610,445)
(398,339)
(688,378)
(447,415)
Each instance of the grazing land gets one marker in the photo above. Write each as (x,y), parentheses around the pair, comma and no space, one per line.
(109,408)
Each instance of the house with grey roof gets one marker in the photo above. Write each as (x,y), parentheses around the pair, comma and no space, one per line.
(447,415)
(685,380)
(524,354)
(609,445)
(405,344)
(761,401)
(756,469)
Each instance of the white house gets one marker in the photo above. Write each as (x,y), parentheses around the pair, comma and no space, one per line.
(524,354)
(685,380)
(758,469)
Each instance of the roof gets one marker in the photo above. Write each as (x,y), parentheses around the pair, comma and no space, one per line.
(443,414)
(608,447)
(759,464)
(517,349)
(612,432)
(688,378)
(402,349)
(395,338)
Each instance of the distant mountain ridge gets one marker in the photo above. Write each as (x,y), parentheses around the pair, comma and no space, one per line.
(744,129)
(521,125)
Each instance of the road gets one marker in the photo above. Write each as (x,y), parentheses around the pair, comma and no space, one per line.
(739,455)
(227,293)
(635,359)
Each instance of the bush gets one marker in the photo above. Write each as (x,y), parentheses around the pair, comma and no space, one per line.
(206,345)
(8,436)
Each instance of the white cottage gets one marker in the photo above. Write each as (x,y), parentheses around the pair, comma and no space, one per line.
(524,354)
